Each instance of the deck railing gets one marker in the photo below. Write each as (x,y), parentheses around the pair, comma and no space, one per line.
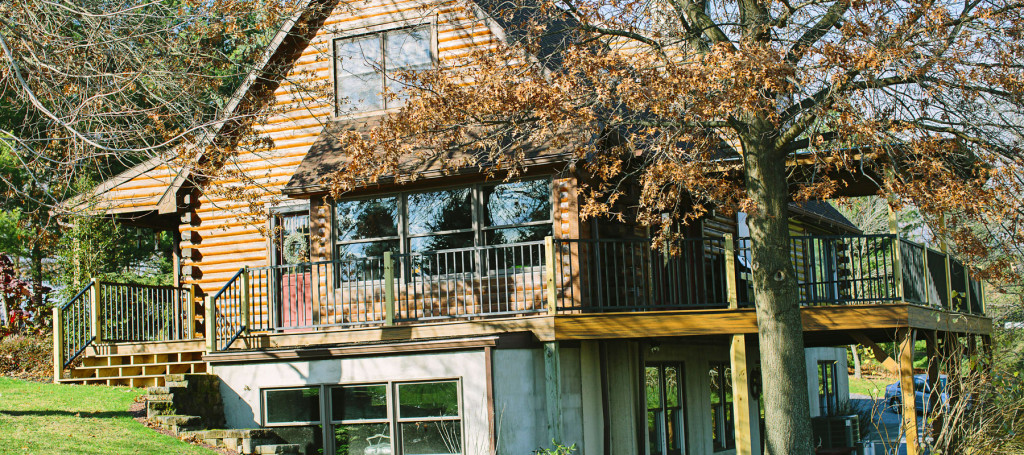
(576,276)
(105,312)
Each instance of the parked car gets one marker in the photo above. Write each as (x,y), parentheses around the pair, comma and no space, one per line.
(894,395)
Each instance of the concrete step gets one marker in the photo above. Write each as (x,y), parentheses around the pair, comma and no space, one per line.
(160,397)
(159,408)
(179,423)
(277,449)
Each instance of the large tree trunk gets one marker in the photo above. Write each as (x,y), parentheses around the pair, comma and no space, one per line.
(776,296)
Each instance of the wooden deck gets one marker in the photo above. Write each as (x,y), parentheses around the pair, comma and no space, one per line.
(823,326)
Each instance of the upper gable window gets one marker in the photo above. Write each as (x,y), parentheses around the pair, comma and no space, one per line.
(365,67)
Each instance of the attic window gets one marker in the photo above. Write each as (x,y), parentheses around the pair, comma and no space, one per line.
(365,67)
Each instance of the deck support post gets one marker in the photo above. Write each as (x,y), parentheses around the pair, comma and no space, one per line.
(934,394)
(244,302)
(389,289)
(741,395)
(96,320)
(549,282)
(905,343)
(210,322)
(58,345)
(953,351)
(553,390)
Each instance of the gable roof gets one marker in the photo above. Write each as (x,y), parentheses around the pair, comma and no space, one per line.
(279,51)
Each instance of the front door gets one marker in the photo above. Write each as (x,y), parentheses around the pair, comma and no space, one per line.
(291,271)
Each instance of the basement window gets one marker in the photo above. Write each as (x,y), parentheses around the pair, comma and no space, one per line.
(411,418)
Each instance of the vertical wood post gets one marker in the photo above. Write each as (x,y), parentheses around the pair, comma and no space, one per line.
(933,398)
(552,295)
(553,390)
(741,396)
(905,343)
(982,300)
(389,289)
(210,322)
(897,259)
(967,289)
(949,285)
(58,345)
(96,319)
(244,302)
(190,311)
(730,273)
(927,275)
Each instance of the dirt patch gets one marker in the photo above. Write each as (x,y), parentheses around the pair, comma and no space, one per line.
(138,412)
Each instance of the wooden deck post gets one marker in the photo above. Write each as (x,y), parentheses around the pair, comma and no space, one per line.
(552,294)
(244,302)
(210,322)
(96,321)
(897,259)
(730,273)
(933,398)
(553,391)
(926,274)
(58,345)
(389,289)
(905,343)
(741,396)
(190,311)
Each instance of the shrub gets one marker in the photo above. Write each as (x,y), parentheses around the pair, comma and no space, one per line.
(27,356)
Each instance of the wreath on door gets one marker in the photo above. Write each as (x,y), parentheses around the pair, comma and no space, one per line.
(296,248)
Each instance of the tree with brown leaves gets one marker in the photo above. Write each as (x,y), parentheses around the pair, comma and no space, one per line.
(745,105)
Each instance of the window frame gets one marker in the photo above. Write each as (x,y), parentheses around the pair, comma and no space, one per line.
(380,30)
(728,438)
(394,421)
(663,406)
(478,227)
(264,416)
(828,381)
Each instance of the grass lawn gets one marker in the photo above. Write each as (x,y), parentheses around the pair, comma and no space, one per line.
(871,386)
(38,418)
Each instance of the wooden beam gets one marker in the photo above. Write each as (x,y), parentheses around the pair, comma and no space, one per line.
(96,319)
(553,391)
(741,395)
(880,355)
(905,343)
(933,398)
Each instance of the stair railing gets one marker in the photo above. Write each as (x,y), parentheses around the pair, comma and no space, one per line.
(73,325)
(227,313)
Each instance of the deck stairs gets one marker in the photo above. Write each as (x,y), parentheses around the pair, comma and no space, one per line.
(137,364)
(190,406)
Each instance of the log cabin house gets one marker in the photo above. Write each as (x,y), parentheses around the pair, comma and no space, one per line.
(464,315)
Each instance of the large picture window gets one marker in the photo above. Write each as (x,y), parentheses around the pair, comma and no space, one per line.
(365,67)
(410,418)
(417,222)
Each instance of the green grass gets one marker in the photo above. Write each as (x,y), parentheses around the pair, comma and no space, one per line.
(37,418)
(871,386)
